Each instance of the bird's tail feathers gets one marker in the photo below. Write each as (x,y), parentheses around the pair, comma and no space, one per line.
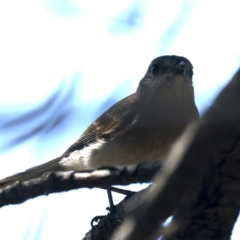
(32,172)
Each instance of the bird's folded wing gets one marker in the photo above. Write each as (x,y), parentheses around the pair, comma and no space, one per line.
(111,123)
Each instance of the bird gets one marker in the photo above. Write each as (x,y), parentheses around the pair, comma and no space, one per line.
(142,126)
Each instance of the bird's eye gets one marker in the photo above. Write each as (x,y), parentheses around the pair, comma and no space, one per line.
(154,69)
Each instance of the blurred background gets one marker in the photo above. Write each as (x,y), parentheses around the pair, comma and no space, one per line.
(64,62)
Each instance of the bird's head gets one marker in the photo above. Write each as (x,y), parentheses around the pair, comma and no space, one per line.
(167,77)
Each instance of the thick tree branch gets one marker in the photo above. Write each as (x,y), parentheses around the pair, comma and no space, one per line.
(217,205)
(63,181)
(216,138)
(216,208)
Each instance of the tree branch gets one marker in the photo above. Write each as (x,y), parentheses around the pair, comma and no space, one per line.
(64,181)
(217,205)
(181,178)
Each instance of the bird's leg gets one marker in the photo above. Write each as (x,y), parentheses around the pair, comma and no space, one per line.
(121,191)
(118,190)
(110,199)
(110,208)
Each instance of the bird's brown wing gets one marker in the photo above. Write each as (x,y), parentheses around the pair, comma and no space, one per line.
(116,119)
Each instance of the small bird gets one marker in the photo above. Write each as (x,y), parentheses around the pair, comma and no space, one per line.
(140,127)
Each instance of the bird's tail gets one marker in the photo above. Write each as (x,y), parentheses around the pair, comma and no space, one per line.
(32,172)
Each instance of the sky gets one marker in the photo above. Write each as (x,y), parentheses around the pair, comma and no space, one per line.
(65,62)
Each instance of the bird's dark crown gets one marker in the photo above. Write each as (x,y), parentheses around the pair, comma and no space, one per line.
(170,63)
